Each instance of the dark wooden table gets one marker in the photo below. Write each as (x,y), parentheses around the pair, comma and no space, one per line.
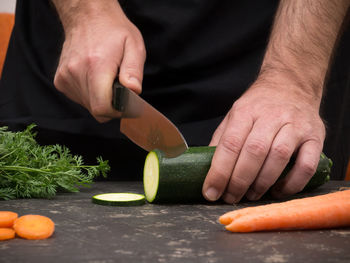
(90,233)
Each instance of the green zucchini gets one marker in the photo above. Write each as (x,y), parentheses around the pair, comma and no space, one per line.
(119,199)
(176,179)
(180,179)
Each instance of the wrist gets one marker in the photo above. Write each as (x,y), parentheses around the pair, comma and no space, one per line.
(294,74)
(289,84)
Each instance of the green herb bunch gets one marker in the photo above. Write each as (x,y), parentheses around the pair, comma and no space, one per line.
(29,170)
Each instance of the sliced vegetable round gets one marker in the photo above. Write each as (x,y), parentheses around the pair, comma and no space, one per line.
(7,218)
(7,233)
(151,176)
(119,199)
(34,227)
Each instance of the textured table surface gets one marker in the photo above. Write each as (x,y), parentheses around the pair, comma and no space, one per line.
(86,232)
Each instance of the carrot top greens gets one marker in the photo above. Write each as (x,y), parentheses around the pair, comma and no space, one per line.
(30,170)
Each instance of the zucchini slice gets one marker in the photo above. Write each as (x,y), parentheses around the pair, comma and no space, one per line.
(119,199)
(151,176)
(180,179)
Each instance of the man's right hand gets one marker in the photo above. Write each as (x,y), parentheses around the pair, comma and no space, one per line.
(100,44)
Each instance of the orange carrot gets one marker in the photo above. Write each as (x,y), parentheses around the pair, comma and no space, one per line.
(7,218)
(7,233)
(325,211)
(34,227)
(233,215)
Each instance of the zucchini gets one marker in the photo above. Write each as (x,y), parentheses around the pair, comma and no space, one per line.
(180,179)
(119,199)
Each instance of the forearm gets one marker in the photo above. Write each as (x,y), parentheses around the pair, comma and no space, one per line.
(73,13)
(301,43)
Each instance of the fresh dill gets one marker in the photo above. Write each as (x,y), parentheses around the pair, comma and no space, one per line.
(30,170)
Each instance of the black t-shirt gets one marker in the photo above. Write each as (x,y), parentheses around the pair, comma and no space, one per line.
(201,56)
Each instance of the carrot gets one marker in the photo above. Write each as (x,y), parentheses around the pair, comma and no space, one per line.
(7,218)
(7,233)
(324,211)
(34,227)
(233,215)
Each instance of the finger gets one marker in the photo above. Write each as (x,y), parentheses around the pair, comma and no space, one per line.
(225,156)
(278,157)
(251,159)
(99,78)
(131,68)
(219,132)
(100,94)
(304,168)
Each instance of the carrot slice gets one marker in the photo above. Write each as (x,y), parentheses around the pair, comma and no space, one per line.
(7,218)
(325,211)
(34,227)
(7,233)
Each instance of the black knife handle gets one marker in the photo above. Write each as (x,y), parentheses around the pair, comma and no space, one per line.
(120,95)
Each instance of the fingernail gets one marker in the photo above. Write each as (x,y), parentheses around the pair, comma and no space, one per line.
(230,199)
(134,80)
(251,195)
(212,194)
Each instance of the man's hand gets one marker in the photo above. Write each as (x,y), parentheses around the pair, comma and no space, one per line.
(278,116)
(257,138)
(100,44)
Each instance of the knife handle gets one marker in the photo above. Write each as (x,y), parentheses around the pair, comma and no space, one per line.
(120,96)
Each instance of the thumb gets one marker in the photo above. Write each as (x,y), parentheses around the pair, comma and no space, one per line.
(131,68)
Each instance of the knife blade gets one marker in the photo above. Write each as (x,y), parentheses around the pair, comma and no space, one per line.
(146,126)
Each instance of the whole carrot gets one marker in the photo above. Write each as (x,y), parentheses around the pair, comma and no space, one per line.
(325,211)
(233,215)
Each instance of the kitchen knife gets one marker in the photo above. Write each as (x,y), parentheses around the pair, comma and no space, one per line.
(144,125)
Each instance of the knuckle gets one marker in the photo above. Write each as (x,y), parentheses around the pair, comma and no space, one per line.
(308,169)
(238,184)
(73,68)
(217,133)
(236,105)
(132,68)
(122,33)
(98,110)
(281,152)
(59,80)
(307,128)
(257,148)
(220,176)
(317,140)
(140,49)
(232,144)
(92,59)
